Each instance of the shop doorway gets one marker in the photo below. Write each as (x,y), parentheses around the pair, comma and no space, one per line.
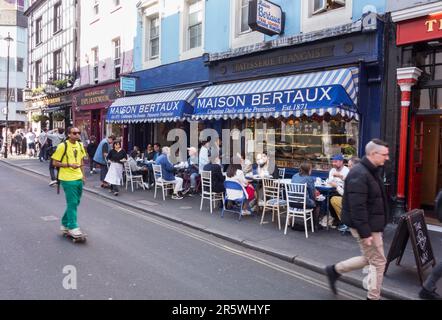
(425,162)
(96,124)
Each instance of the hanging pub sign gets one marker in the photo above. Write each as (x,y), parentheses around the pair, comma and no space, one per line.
(266,17)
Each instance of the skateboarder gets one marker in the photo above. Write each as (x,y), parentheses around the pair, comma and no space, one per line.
(69,159)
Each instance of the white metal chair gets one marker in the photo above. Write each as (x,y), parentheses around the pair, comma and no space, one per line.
(296,194)
(137,179)
(159,182)
(206,191)
(281,173)
(272,199)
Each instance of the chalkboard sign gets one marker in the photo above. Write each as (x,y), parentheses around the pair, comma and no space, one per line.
(413,226)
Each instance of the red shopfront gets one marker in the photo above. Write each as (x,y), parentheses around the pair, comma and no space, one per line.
(420,154)
(90,108)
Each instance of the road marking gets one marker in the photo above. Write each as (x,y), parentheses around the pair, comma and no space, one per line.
(227,248)
(193,235)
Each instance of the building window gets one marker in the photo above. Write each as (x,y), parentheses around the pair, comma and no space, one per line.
(38,31)
(57,17)
(19,95)
(38,73)
(195,24)
(96,8)
(244,17)
(117,57)
(153,38)
(57,65)
(320,6)
(96,61)
(20,64)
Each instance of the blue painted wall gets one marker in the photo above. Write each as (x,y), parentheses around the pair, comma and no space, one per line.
(170,39)
(138,42)
(217,29)
(358,6)
(292,11)
(183,73)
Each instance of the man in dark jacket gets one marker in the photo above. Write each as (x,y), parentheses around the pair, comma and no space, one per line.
(365,211)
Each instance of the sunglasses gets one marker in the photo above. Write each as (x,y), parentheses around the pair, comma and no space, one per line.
(76,132)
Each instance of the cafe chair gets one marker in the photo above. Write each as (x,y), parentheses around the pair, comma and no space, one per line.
(236,194)
(137,179)
(206,191)
(281,173)
(296,195)
(159,182)
(272,199)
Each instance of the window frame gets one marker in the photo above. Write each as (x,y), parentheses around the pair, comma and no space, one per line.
(58,23)
(117,56)
(39,31)
(239,26)
(150,39)
(22,64)
(96,60)
(326,6)
(38,73)
(199,25)
(57,65)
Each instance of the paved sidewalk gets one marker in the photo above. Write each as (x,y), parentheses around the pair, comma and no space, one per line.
(320,249)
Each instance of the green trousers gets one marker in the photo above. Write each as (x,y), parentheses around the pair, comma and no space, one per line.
(72,191)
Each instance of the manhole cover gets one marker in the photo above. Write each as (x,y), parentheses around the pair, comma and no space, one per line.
(147,203)
(49,218)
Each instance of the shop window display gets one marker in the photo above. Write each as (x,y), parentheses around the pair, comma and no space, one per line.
(299,139)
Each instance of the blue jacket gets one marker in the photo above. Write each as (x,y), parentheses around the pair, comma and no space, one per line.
(310,188)
(167,167)
(98,157)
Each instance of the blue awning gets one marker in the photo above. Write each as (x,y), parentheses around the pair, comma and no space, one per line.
(158,107)
(333,92)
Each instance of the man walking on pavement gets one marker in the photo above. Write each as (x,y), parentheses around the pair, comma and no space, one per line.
(56,136)
(100,157)
(365,211)
(43,141)
(69,159)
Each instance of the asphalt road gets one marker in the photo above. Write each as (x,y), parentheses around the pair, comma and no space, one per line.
(131,255)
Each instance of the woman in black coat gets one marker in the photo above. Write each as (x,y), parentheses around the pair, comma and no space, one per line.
(217,175)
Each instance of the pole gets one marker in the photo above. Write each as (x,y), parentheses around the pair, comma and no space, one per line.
(9,39)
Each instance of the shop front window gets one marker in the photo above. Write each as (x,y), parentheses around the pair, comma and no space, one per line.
(296,140)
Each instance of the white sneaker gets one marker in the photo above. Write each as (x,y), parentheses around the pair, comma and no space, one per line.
(75,232)
(52,183)
(246,213)
(63,228)
(146,185)
(91,172)
(176,197)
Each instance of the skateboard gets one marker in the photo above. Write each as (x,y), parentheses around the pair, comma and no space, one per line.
(75,239)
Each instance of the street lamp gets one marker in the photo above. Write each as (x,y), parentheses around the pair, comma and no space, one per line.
(9,40)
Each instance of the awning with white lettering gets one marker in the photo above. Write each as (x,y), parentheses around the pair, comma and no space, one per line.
(334,92)
(158,107)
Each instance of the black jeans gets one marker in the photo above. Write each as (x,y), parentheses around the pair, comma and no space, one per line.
(114,188)
(52,170)
(103,172)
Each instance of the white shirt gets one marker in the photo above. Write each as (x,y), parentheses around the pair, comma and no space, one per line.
(30,137)
(203,158)
(340,182)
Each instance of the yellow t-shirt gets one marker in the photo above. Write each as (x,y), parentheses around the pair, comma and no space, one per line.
(74,155)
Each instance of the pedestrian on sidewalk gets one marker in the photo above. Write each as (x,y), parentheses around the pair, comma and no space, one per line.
(91,149)
(56,136)
(68,157)
(100,157)
(114,176)
(44,144)
(365,211)
(428,290)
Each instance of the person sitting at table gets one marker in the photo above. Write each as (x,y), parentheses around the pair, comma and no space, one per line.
(192,170)
(149,153)
(217,175)
(137,170)
(235,173)
(263,169)
(168,172)
(304,176)
(246,165)
(336,200)
(339,172)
